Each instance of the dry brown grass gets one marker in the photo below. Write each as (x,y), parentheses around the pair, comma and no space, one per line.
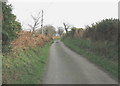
(56,37)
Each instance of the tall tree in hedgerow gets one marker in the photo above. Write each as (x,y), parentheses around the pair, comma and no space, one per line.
(9,26)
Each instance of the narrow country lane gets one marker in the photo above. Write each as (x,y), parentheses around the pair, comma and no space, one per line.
(67,67)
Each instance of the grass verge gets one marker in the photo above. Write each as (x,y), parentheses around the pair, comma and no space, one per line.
(25,67)
(79,47)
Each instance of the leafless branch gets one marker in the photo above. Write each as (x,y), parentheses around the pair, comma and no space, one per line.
(36,20)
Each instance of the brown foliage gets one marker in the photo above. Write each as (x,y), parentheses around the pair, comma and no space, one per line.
(29,39)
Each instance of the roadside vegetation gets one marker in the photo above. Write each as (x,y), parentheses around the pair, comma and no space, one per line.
(91,53)
(24,52)
(98,43)
(25,67)
(10,26)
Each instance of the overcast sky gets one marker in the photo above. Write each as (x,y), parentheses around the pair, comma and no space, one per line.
(75,12)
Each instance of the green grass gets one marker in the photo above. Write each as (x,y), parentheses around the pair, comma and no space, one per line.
(25,67)
(89,50)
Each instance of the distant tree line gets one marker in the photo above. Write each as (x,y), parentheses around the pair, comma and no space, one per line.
(48,30)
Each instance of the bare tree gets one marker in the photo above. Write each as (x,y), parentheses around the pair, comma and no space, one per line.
(60,30)
(66,26)
(36,20)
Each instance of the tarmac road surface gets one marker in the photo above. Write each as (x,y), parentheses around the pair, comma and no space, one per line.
(67,67)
